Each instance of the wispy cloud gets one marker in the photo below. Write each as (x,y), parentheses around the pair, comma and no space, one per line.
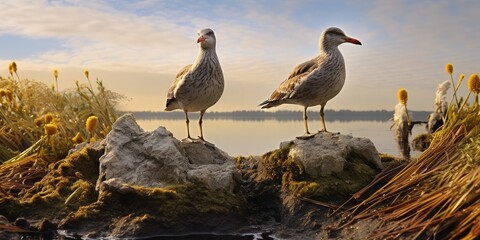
(406,44)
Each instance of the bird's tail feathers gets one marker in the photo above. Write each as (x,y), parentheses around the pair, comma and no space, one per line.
(172,104)
(269,104)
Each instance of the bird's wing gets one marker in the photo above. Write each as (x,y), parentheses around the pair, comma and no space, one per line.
(288,86)
(180,75)
(304,68)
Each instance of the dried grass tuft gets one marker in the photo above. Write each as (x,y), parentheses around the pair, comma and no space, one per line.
(436,195)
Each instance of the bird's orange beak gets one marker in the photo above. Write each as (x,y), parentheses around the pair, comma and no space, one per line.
(200,39)
(352,40)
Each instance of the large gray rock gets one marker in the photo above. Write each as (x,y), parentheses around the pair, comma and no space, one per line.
(327,153)
(156,159)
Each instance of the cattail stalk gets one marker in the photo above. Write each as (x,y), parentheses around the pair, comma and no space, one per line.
(402,130)
(402,123)
(87,75)
(55,74)
(449,70)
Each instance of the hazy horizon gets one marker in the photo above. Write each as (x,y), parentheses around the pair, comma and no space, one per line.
(280,115)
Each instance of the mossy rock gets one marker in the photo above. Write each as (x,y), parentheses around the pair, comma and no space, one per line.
(72,179)
(276,187)
(277,168)
(390,161)
(139,211)
(334,187)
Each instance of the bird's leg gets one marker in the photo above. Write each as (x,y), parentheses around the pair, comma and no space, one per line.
(188,125)
(322,118)
(200,121)
(305,124)
(307,134)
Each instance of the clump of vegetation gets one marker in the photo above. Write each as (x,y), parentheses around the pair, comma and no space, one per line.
(172,209)
(53,192)
(28,107)
(277,169)
(40,124)
(435,119)
(436,195)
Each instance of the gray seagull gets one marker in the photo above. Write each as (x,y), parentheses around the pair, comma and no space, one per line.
(200,85)
(316,81)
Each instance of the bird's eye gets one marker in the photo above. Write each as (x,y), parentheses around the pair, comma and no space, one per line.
(209,33)
(339,34)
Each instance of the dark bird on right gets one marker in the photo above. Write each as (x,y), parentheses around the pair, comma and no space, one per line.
(316,81)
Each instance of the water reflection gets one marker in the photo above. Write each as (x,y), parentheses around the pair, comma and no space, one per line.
(246,138)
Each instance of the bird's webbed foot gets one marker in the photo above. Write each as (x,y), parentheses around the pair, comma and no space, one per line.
(198,140)
(306,136)
(190,140)
(325,131)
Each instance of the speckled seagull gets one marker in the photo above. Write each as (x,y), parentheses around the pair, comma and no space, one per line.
(200,85)
(316,81)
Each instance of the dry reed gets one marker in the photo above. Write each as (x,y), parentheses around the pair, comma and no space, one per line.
(27,107)
(436,195)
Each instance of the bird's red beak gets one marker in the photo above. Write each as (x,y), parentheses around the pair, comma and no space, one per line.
(200,39)
(352,40)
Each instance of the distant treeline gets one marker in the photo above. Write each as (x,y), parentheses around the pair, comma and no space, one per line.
(283,115)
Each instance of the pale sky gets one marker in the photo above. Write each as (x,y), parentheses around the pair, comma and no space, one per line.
(137,47)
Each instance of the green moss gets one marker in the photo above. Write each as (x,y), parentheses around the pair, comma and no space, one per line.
(390,161)
(276,168)
(337,186)
(47,197)
(164,207)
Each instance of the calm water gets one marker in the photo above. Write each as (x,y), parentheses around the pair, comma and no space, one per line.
(246,138)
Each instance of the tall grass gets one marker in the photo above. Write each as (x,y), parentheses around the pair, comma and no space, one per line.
(27,106)
(436,195)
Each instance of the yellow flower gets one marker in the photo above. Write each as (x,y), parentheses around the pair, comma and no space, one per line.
(3,93)
(14,67)
(38,121)
(10,69)
(402,96)
(91,123)
(50,129)
(78,138)
(474,83)
(460,79)
(449,68)
(55,73)
(48,117)
(86,73)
